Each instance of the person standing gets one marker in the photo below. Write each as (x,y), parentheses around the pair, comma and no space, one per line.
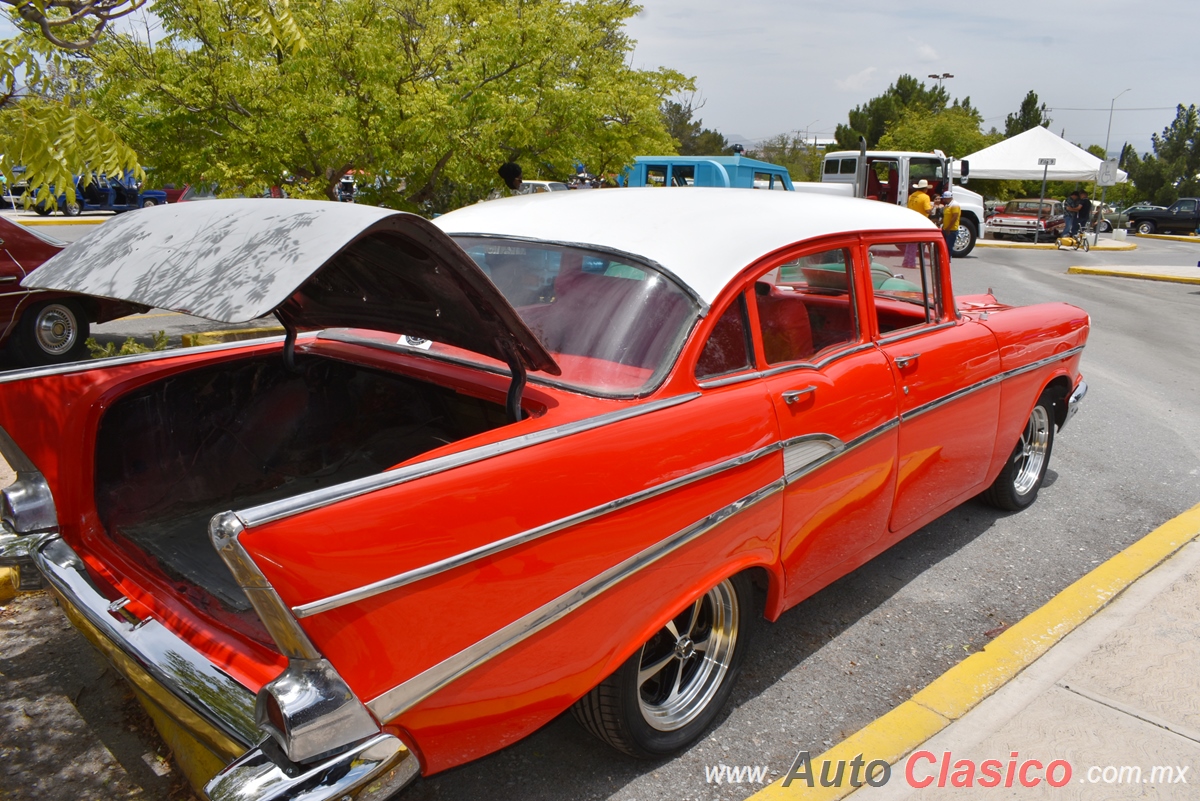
(920,202)
(1071,214)
(1084,217)
(951,218)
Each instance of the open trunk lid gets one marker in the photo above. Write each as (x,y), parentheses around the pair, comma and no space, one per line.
(312,264)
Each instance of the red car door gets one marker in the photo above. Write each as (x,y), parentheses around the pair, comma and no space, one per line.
(942,366)
(834,399)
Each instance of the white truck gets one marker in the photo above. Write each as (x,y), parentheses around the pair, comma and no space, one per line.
(888,175)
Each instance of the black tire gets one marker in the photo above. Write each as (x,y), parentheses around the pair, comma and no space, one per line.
(1085,242)
(1145,227)
(1018,483)
(70,209)
(53,332)
(685,687)
(1104,227)
(968,233)
(43,210)
(149,203)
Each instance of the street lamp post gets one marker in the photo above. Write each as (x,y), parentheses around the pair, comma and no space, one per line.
(940,78)
(1104,190)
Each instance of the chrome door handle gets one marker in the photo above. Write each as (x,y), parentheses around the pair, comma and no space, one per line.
(905,361)
(794,395)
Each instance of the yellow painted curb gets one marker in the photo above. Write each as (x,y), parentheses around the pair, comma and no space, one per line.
(1105,247)
(1170,237)
(1175,279)
(963,686)
(64,222)
(233,335)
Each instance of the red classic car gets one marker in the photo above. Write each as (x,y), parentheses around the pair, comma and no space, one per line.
(545,453)
(1028,218)
(38,326)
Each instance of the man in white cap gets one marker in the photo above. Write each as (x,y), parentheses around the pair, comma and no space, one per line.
(951,217)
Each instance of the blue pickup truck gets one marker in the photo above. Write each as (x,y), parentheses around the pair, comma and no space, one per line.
(727,171)
(104,193)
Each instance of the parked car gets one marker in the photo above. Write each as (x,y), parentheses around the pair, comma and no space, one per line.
(550,452)
(1022,218)
(103,193)
(1181,217)
(1120,218)
(538,187)
(43,327)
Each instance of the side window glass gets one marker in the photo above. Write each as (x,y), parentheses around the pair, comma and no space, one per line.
(656,175)
(726,350)
(831,166)
(849,166)
(807,306)
(904,277)
(1187,205)
(683,175)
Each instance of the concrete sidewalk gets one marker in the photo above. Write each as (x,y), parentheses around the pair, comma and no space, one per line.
(1102,682)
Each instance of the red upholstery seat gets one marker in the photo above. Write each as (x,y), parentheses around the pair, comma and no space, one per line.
(786,331)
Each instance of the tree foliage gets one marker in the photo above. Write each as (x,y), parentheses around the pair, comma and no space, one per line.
(1029,115)
(423,98)
(46,128)
(690,135)
(872,119)
(955,131)
(1173,170)
(802,159)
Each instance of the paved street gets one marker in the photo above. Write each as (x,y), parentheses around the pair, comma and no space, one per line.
(1129,461)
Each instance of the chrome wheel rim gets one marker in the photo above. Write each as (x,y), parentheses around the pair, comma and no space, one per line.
(683,666)
(1031,451)
(962,240)
(56,330)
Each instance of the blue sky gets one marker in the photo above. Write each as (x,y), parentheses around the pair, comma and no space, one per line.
(764,67)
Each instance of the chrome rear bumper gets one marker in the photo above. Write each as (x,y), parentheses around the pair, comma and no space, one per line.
(211,709)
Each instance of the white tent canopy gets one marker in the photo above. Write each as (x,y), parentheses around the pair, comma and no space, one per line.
(1016,158)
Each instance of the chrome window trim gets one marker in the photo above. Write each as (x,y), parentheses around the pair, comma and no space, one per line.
(987,382)
(917,330)
(787,368)
(520,538)
(288,507)
(391,703)
(117,361)
(624,254)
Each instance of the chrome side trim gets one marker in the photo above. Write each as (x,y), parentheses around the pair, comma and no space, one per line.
(117,361)
(786,368)
(404,696)
(224,530)
(186,683)
(371,771)
(269,512)
(987,382)
(520,538)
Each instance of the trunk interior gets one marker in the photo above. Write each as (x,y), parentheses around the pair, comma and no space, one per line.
(171,454)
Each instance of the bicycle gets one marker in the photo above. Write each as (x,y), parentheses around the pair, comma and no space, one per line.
(1080,240)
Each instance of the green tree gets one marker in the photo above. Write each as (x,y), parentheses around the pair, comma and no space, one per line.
(46,128)
(1173,170)
(1029,115)
(955,131)
(690,135)
(426,97)
(801,158)
(872,119)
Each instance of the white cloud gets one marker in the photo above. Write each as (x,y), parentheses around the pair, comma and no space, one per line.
(927,53)
(856,82)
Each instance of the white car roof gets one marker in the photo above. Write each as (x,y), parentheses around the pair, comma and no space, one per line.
(704,236)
